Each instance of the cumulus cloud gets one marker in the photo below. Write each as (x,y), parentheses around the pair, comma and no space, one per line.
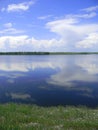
(64,26)
(74,34)
(89,41)
(18,7)
(25,43)
(12,41)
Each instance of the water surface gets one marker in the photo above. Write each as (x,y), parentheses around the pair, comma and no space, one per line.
(49,80)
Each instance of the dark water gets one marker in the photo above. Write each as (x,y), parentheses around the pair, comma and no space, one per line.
(49,80)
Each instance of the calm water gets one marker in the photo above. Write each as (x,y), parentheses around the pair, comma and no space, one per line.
(49,80)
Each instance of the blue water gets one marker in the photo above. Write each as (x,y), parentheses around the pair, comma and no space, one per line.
(49,80)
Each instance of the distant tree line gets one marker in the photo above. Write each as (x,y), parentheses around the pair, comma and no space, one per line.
(46,53)
(24,53)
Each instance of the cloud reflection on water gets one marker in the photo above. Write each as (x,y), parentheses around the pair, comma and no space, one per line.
(69,75)
(84,69)
(77,73)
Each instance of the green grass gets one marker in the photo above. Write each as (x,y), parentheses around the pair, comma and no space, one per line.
(31,117)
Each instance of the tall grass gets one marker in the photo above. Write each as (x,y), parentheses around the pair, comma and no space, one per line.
(31,117)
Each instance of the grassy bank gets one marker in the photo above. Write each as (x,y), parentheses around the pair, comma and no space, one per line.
(29,117)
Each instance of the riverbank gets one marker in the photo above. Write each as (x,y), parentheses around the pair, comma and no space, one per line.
(31,117)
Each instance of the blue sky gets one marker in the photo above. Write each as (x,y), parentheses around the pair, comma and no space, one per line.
(49,25)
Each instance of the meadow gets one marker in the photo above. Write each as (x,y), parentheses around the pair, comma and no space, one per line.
(31,117)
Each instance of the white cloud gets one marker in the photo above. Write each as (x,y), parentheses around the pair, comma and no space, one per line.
(25,42)
(85,16)
(72,30)
(8,25)
(18,7)
(73,33)
(60,26)
(67,25)
(10,30)
(90,41)
(91,15)
(13,41)
(90,9)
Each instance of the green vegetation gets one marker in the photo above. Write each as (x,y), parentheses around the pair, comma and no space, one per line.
(46,53)
(31,117)
(24,53)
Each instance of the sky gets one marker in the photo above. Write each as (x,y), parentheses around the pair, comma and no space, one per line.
(49,25)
